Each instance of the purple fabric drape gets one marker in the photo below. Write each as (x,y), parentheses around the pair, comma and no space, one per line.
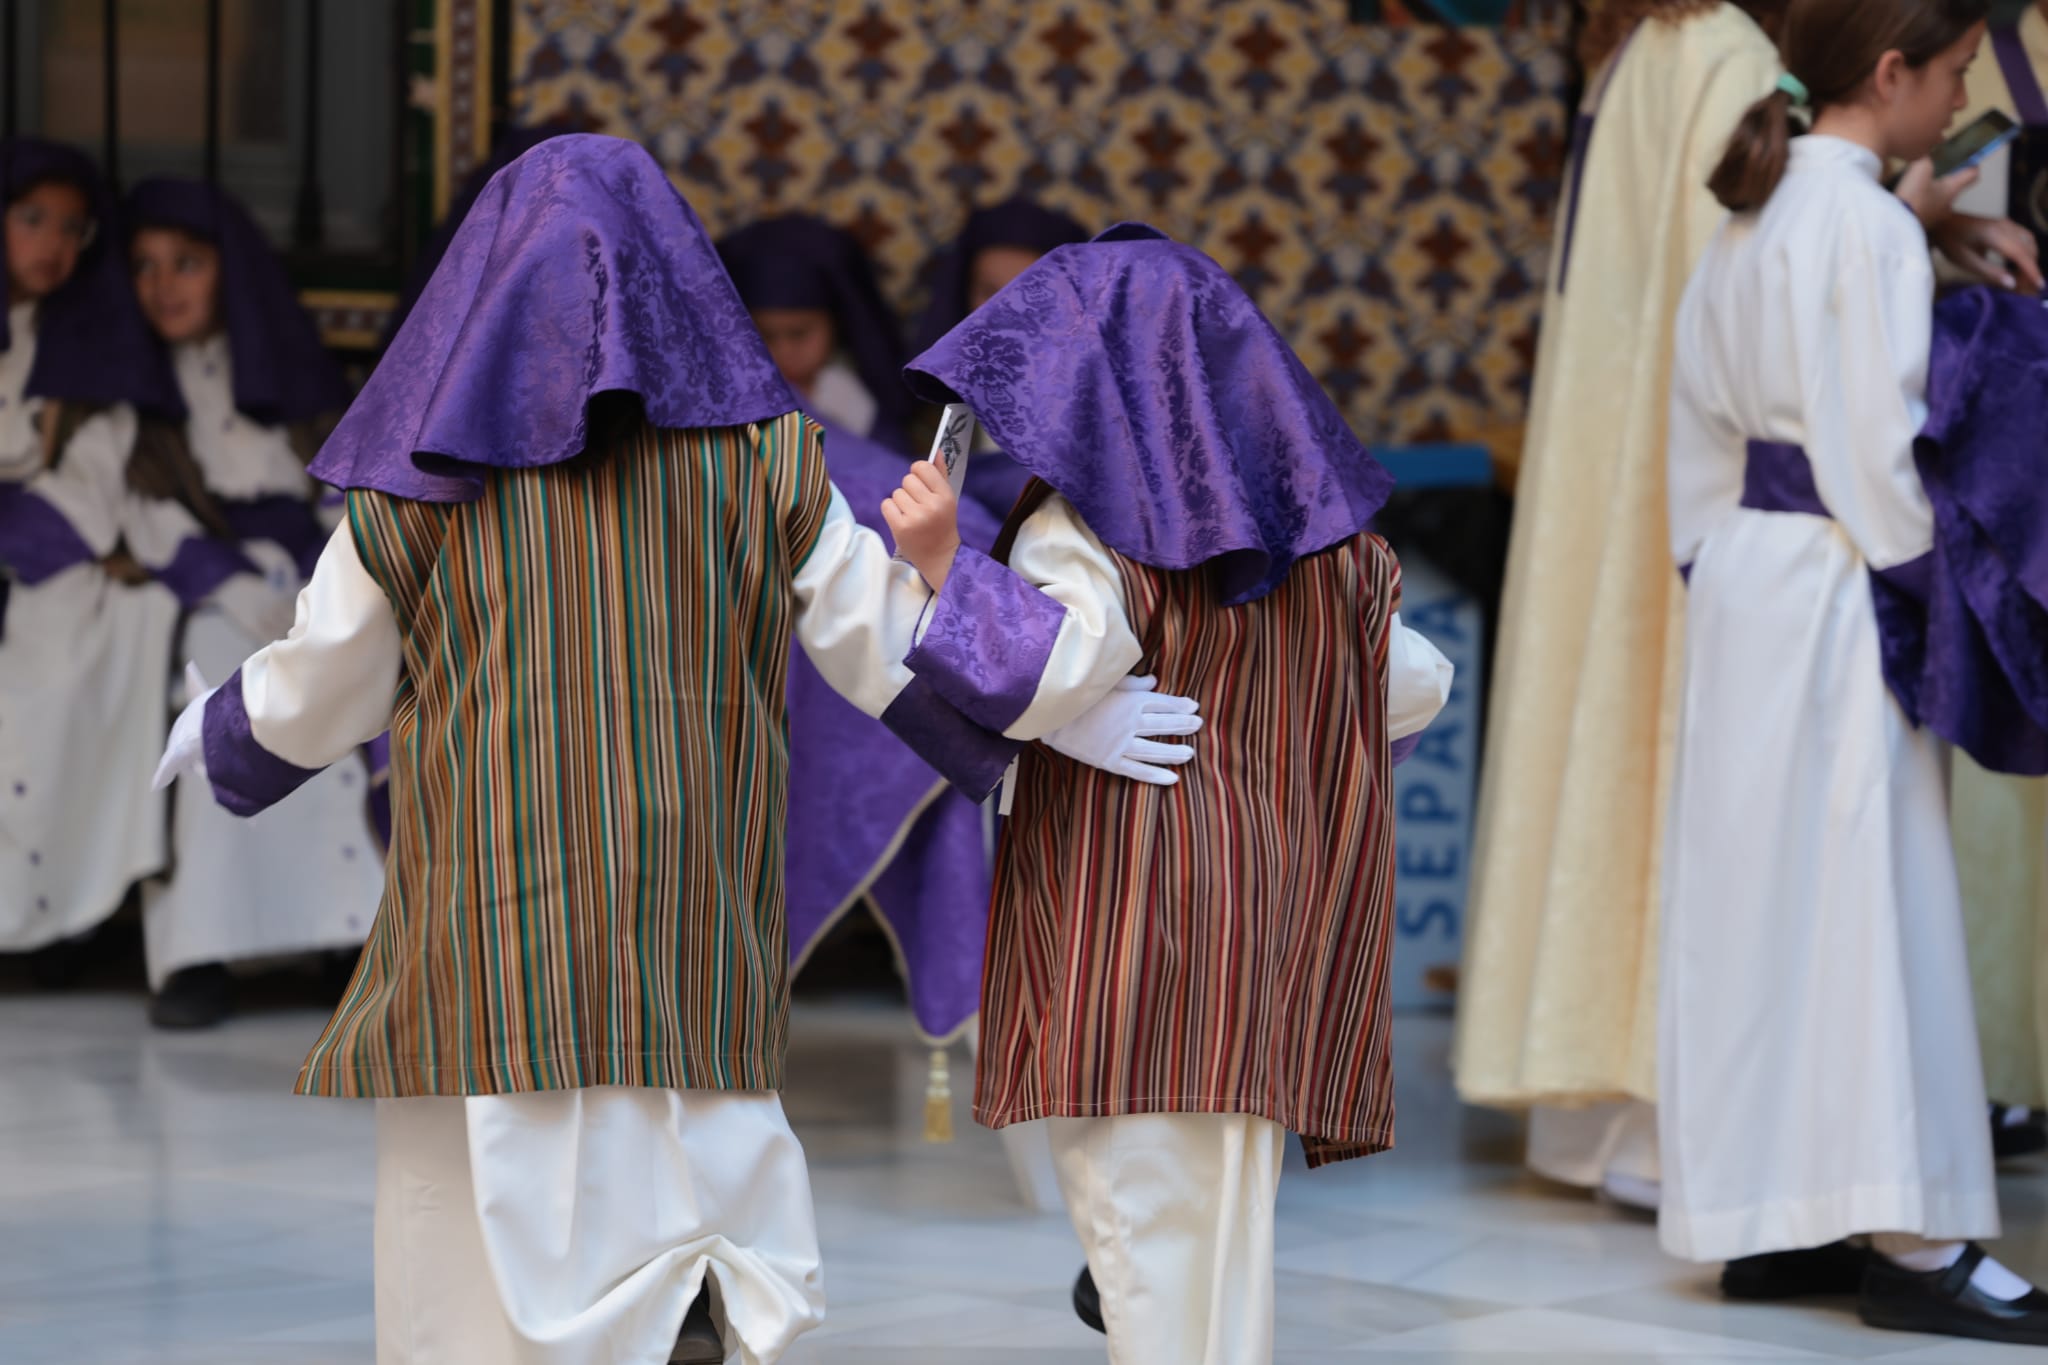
(579,271)
(933,894)
(1134,376)
(37,541)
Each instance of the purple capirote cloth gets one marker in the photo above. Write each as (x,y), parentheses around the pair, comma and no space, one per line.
(283,372)
(855,789)
(1133,375)
(579,271)
(92,345)
(247,778)
(36,540)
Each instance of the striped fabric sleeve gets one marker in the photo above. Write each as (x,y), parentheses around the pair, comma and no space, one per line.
(804,474)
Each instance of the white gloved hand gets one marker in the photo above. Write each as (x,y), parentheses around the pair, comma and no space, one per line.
(186,751)
(253,604)
(1116,734)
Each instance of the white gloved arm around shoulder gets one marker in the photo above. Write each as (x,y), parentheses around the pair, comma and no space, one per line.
(1120,733)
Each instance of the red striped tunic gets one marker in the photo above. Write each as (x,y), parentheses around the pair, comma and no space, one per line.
(1220,946)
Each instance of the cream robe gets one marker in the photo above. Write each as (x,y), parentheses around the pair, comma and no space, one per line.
(1998,821)
(1557,999)
(1818,1055)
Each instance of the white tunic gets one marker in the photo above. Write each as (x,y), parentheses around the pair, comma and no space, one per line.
(307,873)
(83,663)
(1817,1047)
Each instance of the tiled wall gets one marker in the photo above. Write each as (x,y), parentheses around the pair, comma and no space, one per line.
(1384,192)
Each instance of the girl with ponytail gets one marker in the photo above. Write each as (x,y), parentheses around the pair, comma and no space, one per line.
(1820,1083)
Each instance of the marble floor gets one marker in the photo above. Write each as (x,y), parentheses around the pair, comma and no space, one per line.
(162,1199)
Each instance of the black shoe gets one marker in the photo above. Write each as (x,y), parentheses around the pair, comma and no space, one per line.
(1088,1301)
(197,997)
(1835,1269)
(699,1343)
(1945,1303)
(2025,1138)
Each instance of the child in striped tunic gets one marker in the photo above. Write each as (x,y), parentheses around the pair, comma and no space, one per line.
(574,616)
(1180,973)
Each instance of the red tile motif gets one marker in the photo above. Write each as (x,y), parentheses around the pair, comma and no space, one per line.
(1384,191)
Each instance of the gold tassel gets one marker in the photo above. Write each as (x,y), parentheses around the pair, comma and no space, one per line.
(938,1100)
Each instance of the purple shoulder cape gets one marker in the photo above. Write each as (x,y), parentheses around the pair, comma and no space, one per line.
(1133,375)
(579,271)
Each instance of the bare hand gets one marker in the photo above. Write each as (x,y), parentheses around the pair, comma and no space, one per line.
(1994,250)
(1931,200)
(924,517)
(122,568)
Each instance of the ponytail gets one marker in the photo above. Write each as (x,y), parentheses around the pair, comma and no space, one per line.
(1829,48)
(1755,160)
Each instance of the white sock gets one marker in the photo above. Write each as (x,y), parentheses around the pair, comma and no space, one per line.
(1919,1254)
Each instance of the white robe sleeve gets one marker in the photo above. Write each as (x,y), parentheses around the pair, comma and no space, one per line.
(1418,681)
(303,702)
(1704,459)
(1056,553)
(327,687)
(1863,378)
(857,611)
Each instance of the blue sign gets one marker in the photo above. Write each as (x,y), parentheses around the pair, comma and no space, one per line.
(1434,795)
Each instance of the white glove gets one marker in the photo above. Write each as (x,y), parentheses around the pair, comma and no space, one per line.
(1115,733)
(253,604)
(186,751)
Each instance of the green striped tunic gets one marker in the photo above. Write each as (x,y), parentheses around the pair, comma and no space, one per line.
(589,774)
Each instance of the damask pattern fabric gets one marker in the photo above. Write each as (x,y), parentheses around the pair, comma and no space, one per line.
(579,271)
(1384,193)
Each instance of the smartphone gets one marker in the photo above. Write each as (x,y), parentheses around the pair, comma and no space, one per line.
(1980,139)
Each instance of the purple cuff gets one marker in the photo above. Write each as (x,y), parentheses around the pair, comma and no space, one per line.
(1685,574)
(36,541)
(968,756)
(247,778)
(990,637)
(201,565)
(1404,749)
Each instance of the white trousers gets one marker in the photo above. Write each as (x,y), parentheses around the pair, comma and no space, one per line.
(1175,1212)
(575,1227)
